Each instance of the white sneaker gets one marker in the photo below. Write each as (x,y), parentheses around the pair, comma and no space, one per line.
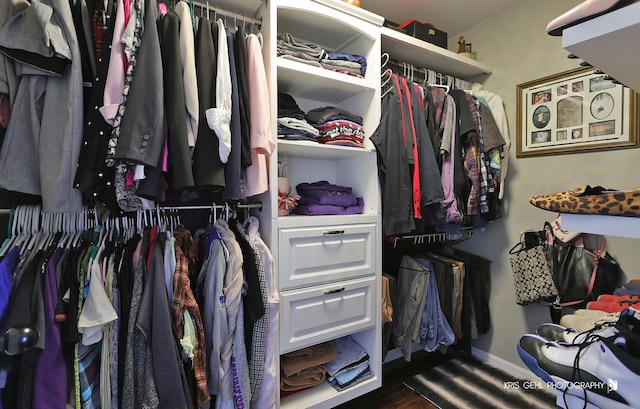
(599,372)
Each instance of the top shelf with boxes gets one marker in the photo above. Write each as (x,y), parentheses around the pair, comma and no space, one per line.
(403,47)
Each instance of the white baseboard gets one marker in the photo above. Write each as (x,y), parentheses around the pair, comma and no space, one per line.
(513,369)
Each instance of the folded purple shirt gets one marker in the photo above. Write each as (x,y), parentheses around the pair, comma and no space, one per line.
(325,193)
(321,209)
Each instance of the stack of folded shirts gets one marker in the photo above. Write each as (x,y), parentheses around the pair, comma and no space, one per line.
(350,367)
(323,198)
(337,126)
(307,52)
(296,49)
(305,368)
(350,64)
(292,124)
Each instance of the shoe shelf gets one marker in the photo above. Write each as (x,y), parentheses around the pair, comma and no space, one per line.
(609,43)
(405,48)
(621,226)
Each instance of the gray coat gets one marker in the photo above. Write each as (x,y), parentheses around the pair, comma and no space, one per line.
(42,144)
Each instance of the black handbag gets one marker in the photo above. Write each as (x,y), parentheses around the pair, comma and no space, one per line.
(581,274)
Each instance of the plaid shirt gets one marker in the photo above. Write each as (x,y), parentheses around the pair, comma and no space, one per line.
(183,298)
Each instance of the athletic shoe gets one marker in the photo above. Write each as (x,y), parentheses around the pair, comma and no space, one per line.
(600,371)
(569,335)
(585,322)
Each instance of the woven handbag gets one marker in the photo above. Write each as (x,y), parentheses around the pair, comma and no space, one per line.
(532,276)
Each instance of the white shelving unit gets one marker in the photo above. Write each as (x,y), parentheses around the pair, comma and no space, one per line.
(402,47)
(329,267)
(610,43)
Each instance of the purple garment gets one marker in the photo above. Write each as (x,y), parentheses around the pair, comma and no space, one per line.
(338,199)
(7,267)
(50,375)
(319,209)
(325,193)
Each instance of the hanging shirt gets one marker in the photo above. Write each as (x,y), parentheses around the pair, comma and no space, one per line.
(262,144)
(188,62)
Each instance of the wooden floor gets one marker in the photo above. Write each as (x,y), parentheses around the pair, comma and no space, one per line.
(393,393)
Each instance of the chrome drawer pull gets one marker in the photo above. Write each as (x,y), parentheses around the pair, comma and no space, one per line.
(337,290)
(333,232)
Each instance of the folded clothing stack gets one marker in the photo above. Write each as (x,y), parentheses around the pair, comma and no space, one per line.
(337,126)
(350,366)
(350,64)
(324,198)
(305,368)
(307,52)
(292,124)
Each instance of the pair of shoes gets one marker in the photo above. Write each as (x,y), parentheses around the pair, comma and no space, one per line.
(615,306)
(584,11)
(626,291)
(569,335)
(591,200)
(618,298)
(585,320)
(598,371)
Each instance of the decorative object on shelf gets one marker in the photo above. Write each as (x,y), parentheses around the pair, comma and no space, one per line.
(464,48)
(287,200)
(353,2)
(574,111)
(425,31)
(591,200)
(584,11)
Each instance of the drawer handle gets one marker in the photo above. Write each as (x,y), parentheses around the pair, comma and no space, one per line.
(337,290)
(333,232)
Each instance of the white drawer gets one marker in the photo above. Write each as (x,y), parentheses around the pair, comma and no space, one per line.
(314,315)
(317,255)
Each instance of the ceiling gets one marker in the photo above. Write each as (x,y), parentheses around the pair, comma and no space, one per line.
(451,16)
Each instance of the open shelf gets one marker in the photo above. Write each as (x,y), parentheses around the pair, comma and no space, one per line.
(311,82)
(313,150)
(607,225)
(609,43)
(403,47)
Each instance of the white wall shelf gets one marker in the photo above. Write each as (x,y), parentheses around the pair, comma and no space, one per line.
(609,43)
(402,47)
(599,224)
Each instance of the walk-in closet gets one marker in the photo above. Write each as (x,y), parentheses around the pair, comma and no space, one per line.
(316,203)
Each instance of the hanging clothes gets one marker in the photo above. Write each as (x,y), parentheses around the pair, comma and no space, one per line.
(47,111)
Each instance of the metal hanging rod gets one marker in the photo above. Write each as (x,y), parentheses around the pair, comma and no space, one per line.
(194,207)
(206,7)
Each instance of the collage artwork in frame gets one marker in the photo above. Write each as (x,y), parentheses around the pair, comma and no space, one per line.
(575,111)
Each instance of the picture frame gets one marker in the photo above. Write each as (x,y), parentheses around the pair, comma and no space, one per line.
(575,111)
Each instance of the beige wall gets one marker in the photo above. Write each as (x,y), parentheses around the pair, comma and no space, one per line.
(516,45)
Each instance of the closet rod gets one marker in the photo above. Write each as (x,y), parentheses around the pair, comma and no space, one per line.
(205,6)
(198,207)
(419,73)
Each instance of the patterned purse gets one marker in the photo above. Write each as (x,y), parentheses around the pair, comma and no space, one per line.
(532,275)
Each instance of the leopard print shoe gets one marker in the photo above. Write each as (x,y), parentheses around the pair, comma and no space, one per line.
(591,200)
